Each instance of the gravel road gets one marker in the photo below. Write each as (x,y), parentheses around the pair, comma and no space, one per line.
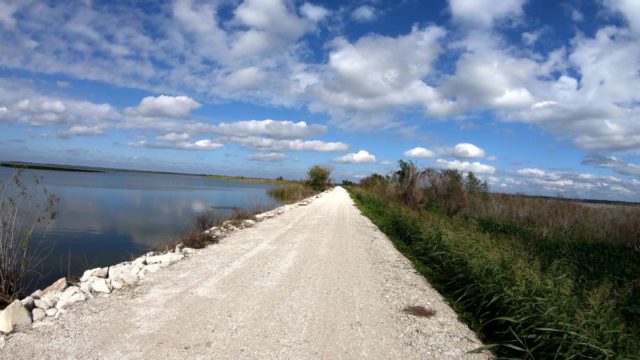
(319,281)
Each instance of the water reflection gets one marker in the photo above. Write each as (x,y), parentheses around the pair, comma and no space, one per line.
(109,217)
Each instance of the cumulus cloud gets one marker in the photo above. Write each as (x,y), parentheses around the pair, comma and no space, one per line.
(267,157)
(364,80)
(484,12)
(618,165)
(531,172)
(269,144)
(466,166)
(359,157)
(204,144)
(270,128)
(364,13)
(313,12)
(419,152)
(630,9)
(163,105)
(466,150)
(174,137)
(249,77)
(81,130)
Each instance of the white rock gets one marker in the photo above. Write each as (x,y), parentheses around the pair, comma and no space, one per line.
(178,248)
(36,294)
(38,314)
(86,275)
(126,279)
(85,287)
(57,286)
(76,297)
(189,251)
(51,312)
(101,272)
(248,223)
(69,292)
(116,284)
(100,285)
(14,315)
(141,261)
(165,259)
(45,303)
(149,269)
(2,341)
(28,303)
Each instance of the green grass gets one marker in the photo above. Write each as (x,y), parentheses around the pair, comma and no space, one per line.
(527,296)
(249,179)
(291,193)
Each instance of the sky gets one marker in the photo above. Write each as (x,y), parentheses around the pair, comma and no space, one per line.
(540,97)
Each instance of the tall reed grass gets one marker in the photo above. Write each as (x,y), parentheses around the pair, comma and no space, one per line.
(25,207)
(291,193)
(528,296)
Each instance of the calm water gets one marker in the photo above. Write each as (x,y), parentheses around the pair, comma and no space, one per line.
(105,218)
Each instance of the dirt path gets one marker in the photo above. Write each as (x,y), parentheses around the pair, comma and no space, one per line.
(320,281)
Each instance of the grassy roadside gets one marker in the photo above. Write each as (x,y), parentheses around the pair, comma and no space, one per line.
(531,297)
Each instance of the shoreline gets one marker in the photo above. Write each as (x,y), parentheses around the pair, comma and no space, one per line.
(56,299)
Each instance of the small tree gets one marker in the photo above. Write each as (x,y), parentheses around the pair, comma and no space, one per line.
(23,209)
(318,177)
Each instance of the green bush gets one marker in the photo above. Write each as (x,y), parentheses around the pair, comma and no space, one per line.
(318,177)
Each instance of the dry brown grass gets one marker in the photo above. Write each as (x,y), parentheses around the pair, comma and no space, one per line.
(617,224)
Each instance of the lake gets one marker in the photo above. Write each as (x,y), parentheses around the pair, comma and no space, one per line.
(106,218)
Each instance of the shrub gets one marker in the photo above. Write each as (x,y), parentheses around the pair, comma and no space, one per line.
(197,239)
(24,209)
(318,177)
(206,220)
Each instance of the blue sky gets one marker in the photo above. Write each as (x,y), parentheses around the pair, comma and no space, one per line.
(540,97)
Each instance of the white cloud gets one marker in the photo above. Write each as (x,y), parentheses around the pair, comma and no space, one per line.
(204,144)
(249,77)
(484,12)
(7,11)
(466,150)
(270,128)
(618,165)
(313,12)
(419,152)
(173,137)
(366,79)
(276,145)
(55,106)
(163,105)
(531,172)
(267,157)
(466,166)
(81,130)
(359,157)
(531,37)
(630,9)
(364,13)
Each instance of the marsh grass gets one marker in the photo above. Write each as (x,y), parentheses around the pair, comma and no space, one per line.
(529,294)
(291,193)
(26,208)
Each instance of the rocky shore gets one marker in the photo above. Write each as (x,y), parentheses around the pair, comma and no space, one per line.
(48,304)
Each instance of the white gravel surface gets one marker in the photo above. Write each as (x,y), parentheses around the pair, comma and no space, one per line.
(319,281)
